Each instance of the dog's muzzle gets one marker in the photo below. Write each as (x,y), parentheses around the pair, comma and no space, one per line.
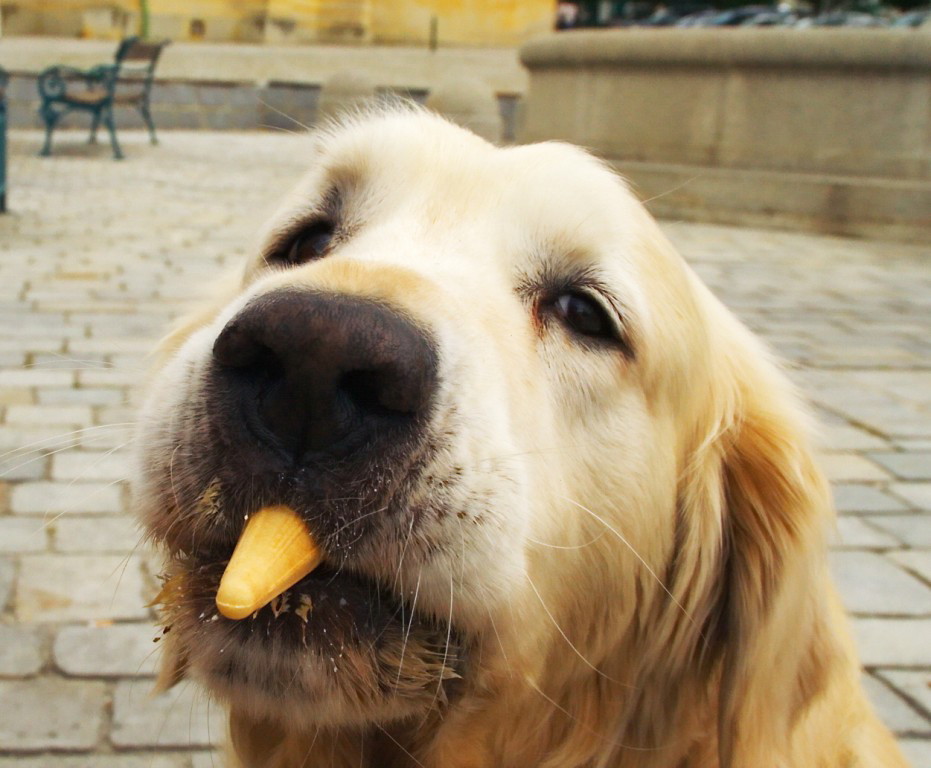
(329,392)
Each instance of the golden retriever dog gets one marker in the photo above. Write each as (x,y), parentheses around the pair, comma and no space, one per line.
(561,506)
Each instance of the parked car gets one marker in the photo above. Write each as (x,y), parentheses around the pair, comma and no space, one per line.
(772,19)
(843,19)
(912,20)
(731,17)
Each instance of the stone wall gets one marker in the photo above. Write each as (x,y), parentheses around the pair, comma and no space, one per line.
(225,86)
(829,129)
(192,104)
(218,105)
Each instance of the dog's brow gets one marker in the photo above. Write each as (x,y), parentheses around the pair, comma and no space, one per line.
(549,277)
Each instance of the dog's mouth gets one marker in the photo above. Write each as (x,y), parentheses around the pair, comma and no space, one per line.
(278,625)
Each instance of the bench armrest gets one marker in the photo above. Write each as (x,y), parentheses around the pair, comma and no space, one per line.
(54,81)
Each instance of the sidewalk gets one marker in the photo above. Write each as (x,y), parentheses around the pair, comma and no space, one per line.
(98,256)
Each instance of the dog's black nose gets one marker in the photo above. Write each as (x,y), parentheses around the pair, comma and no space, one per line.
(325,372)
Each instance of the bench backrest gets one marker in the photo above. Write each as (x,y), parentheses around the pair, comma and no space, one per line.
(135,60)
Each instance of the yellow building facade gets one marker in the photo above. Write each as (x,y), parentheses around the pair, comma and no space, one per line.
(392,22)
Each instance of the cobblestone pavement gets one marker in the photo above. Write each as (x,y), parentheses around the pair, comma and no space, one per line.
(97,256)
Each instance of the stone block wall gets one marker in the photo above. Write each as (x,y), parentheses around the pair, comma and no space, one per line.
(190,104)
(221,105)
(824,128)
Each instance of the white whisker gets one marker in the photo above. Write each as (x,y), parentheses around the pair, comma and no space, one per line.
(286,116)
(76,434)
(399,746)
(566,637)
(559,546)
(643,562)
(407,632)
(449,633)
(588,728)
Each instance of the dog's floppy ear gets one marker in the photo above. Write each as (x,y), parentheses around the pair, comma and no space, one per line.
(774,506)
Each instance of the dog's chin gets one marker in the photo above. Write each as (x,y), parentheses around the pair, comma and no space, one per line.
(335,649)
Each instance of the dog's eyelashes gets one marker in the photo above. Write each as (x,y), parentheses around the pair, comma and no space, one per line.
(311,243)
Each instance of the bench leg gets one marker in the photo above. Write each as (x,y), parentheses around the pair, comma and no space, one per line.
(50,117)
(95,123)
(147,116)
(108,119)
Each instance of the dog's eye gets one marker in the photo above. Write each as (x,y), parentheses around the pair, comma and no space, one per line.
(312,243)
(584,315)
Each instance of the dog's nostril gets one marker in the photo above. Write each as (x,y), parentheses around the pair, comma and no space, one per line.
(362,388)
(377,392)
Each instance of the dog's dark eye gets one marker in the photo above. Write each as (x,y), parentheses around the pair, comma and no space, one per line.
(584,315)
(312,243)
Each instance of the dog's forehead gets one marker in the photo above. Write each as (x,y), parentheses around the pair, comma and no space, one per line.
(549,197)
(417,152)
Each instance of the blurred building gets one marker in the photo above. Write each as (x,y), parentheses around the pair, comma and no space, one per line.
(404,22)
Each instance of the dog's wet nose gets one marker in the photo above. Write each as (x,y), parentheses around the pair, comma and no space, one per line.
(320,371)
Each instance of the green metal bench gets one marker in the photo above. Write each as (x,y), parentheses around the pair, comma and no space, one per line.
(127,82)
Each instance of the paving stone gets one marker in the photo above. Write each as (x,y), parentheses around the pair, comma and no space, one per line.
(20,651)
(21,535)
(47,498)
(844,437)
(916,560)
(915,465)
(914,444)
(109,436)
(916,494)
(917,751)
(35,377)
(65,415)
(181,717)
(855,533)
(850,467)
(18,467)
(7,576)
(122,760)
(118,650)
(32,345)
(110,378)
(110,346)
(912,530)
(915,684)
(48,713)
(859,499)
(21,440)
(67,363)
(95,534)
(86,396)
(91,465)
(79,588)
(870,584)
(17,397)
(205,760)
(893,642)
(117,414)
(896,713)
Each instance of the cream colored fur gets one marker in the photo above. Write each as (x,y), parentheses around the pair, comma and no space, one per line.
(647,585)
